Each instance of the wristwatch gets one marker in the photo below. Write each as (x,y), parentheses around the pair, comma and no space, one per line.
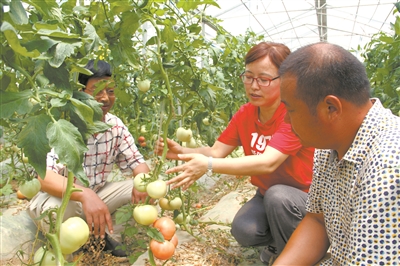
(209,171)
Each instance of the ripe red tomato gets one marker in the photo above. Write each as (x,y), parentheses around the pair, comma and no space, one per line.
(20,195)
(143,144)
(141,139)
(166,226)
(162,251)
(174,240)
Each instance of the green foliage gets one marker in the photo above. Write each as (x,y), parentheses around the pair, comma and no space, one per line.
(45,45)
(382,61)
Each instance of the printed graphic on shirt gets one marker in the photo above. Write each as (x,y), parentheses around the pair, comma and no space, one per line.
(258,143)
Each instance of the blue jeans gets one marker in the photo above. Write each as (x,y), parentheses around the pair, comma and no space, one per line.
(270,219)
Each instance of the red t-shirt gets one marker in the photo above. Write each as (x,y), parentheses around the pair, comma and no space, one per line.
(247,131)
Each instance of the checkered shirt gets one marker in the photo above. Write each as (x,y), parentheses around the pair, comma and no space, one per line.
(116,146)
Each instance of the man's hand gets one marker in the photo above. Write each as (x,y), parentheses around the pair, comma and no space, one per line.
(97,214)
(173,148)
(138,197)
(195,168)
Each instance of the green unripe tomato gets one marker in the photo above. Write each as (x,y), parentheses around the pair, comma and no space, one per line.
(145,214)
(30,188)
(44,257)
(144,85)
(138,182)
(164,204)
(157,189)
(175,203)
(179,219)
(183,134)
(74,233)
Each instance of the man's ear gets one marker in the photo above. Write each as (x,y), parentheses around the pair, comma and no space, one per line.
(331,107)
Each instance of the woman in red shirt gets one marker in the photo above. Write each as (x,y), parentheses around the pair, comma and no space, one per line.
(275,159)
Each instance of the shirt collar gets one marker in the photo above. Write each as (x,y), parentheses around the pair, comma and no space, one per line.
(365,134)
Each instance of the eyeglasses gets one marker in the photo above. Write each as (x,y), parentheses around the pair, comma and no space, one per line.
(264,82)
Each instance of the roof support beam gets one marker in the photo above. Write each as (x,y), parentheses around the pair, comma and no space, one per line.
(320,9)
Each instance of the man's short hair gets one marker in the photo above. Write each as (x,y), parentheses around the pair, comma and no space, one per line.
(99,68)
(323,69)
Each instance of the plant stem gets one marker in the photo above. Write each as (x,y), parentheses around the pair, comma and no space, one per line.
(54,238)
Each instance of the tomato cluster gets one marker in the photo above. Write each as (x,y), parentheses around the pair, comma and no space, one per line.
(147,214)
(164,250)
(142,141)
(170,205)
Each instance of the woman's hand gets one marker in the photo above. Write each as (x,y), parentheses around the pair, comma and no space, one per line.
(194,168)
(173,148)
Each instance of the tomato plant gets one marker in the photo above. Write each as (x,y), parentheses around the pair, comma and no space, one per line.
(74,232)
(157,189)
(145,214)
(381,57)
(162,250)
(166,226)
(30,188)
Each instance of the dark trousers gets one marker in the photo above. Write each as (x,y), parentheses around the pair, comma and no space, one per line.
(270,219)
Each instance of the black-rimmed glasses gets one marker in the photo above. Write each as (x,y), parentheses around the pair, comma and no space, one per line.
(264,81)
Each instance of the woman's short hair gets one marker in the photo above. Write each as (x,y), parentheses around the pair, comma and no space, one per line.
(276,52)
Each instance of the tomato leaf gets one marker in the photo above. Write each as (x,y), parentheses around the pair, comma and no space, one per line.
(33,140)
(155,234)
(91,102)
(123,214)
(12,102)
(67,142)
(59,76)
(18,13)
(61,51)
(13,41)
(82,110)
(131,231)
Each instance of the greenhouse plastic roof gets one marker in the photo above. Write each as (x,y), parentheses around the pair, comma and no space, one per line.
(296,23)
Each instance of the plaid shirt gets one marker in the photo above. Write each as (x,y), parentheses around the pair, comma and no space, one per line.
(114,146)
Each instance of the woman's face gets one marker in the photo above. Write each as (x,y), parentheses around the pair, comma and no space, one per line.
(261,95)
